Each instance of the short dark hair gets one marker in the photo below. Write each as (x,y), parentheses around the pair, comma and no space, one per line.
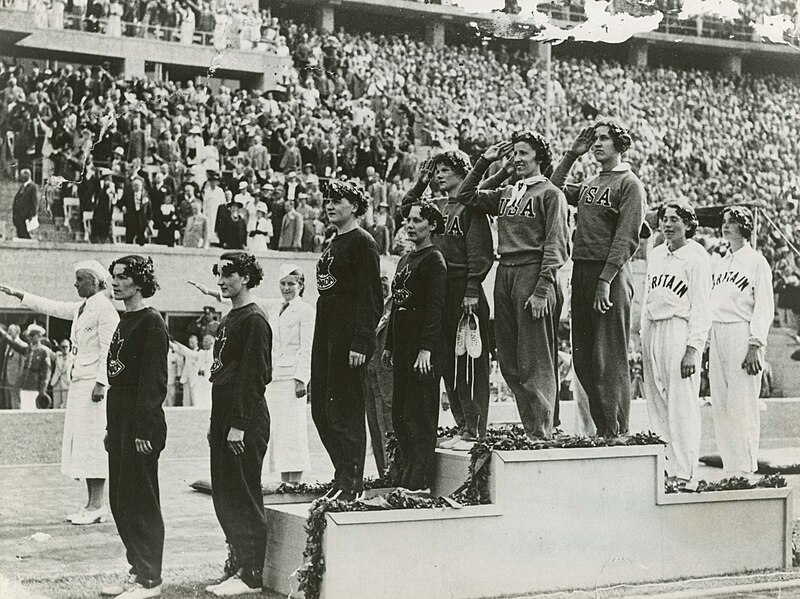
(430,212)
(619,134)
(454,159)
(141,272)
(684,211)
(544,155)
(246,265)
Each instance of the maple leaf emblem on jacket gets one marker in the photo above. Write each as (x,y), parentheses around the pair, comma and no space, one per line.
(325,280)
(400,292)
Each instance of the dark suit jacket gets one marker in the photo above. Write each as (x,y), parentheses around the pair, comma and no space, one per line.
(26,202)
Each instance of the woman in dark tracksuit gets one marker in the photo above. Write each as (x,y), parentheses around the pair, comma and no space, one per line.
(532,243)
(239,430)
(136,430)
(348,309)
(415,346)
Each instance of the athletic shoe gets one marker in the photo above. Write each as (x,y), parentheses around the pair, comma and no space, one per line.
(71,517)
(461,336)
(330,493)
(463,445)
(115,590)
(137,591)
(213,587)
(97,516)
(349,496)
(474,345)
(235,586)
(449,443)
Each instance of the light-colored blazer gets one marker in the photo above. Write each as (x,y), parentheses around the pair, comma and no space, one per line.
(62,370)
(91,332)
(292,335)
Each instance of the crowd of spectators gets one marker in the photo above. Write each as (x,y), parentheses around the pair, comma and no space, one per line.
(361,106)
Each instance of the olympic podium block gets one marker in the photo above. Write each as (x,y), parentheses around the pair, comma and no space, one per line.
(559,519)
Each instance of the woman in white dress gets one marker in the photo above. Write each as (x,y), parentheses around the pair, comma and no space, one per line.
(114,27)
(262,230)
(94,320)
(56,15)
(292,322)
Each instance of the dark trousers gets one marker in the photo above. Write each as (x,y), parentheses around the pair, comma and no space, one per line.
(527,349)
(22,229)
(378,404)
(135,501)
(600,346)
(469,400)
(236,491)
(415,403)
(337,392)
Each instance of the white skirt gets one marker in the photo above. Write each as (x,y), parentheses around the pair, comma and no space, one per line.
(83,454)
(288,441)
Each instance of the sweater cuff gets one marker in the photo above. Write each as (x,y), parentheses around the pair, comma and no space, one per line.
(239,422)
(360,345)
(609,272)
(473,288)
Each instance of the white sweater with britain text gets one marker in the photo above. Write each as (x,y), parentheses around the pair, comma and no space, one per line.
(741,291)
(678,286)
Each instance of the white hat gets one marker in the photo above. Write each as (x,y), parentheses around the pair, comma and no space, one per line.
(242,184)
(287,269)
(34,328)
(119,150)
(94,267)
(262,207)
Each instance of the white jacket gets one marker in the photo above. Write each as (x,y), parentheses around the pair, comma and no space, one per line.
(678,285)
(741,291)
(292,336)
(91,332)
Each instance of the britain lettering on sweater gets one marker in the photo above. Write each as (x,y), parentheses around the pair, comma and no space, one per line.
(741,291)
(678,285)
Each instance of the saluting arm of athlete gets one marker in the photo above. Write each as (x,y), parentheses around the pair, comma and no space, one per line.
(763,313)
(421,184)
(554,255)
(699,315)
(579,147)
(151,389)
(482,199)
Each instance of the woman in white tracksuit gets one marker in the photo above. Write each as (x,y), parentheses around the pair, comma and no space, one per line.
(675,324)
(742,309)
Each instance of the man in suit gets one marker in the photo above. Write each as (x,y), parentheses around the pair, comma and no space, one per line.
(26,204)
(137,213)
(291,229)
(10,371)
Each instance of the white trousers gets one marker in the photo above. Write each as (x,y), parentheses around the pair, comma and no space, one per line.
(673,402)
(734,398)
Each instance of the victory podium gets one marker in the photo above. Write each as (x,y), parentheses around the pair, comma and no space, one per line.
(558,519)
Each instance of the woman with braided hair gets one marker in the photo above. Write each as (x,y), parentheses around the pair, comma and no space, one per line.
(348,309)
(466,245)
(137,431)
(414,346)
(532,243)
